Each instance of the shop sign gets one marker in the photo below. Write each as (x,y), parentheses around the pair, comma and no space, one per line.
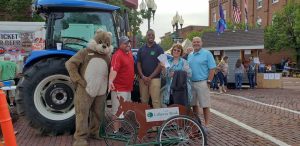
(10,39)
(247,52)
(216,52)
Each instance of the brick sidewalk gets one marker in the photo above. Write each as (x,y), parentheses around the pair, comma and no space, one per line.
(288,97)
(284,127)
(28,136)
(277,123)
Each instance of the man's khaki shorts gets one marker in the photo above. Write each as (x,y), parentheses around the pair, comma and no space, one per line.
(201,94)
(115,101)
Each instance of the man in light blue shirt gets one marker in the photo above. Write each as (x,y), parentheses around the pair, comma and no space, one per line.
(202,64)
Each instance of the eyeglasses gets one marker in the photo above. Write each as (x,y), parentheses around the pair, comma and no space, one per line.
(127,43)
(176,50)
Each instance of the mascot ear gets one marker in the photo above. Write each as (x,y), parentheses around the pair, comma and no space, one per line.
(99,30)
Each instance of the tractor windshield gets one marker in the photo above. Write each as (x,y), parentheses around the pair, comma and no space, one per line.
(75,29)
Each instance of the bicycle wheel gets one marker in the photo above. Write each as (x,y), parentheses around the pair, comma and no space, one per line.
(181,131)
(125,135)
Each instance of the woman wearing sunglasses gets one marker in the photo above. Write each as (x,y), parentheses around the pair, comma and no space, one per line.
(178,86)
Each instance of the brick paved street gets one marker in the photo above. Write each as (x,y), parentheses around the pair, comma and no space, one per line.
(281,124)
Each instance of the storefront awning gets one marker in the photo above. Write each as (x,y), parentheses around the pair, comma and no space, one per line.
(259,47)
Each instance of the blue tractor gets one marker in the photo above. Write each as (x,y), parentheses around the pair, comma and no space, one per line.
(45,91)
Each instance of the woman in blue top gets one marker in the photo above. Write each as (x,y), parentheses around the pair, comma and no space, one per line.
(177,63)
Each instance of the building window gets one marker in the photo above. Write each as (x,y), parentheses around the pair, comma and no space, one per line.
(214,17)
(259,3)
(224,12)
(275,1)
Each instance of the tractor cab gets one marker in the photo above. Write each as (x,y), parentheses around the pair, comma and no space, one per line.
(72,23)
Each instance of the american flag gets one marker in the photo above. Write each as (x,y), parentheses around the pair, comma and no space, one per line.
(236,12)
(246,14)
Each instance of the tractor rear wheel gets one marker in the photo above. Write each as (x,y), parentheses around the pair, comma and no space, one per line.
(47,95)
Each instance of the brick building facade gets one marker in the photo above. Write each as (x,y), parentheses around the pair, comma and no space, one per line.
(184,31)
(260,12)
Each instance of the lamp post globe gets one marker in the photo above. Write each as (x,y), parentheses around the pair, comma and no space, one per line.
(149,7)
(176,21)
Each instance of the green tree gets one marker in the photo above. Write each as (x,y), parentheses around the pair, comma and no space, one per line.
(17,10)
(193,34)
(284,32)
(166,43)
(239,26)
(297,26)
(141,40)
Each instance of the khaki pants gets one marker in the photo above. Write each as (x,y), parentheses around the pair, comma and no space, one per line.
(88,107)
(153,90)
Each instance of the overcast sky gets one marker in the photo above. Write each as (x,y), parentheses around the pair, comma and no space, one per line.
(194,12)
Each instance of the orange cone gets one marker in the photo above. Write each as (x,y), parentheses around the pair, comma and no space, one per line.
(6,123)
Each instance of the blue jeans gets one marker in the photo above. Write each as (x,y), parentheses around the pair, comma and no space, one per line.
(221,78)
(251,80)
(214,83)
(238,80)
(261,70)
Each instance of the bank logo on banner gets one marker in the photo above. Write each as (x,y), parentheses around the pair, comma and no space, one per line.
(161,114)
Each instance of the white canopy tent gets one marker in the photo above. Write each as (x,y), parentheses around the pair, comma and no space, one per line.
(185,44)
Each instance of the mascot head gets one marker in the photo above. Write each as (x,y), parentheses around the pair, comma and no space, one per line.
(101,42)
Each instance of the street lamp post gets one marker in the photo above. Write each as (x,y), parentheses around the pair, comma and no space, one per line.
(149,7)
(176,21)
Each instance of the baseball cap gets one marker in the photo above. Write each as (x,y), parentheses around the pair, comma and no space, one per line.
(7,56)
(124,39)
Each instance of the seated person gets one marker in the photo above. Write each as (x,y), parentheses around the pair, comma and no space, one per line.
(179,71)
(286,69)
(261,68)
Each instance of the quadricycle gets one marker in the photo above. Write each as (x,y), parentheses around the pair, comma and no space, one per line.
(139,125)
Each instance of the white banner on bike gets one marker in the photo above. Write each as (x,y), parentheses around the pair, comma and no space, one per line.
(161,114)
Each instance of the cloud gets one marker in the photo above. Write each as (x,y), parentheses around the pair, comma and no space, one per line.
(162,23)
(194,12)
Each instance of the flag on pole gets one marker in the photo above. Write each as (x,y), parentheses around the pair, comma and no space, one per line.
(236,12)
(246,14)
(221,24)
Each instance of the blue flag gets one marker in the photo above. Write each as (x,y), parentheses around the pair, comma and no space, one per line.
(221,24)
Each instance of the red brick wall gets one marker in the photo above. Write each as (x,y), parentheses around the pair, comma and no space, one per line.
(275,58)
(265,12)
